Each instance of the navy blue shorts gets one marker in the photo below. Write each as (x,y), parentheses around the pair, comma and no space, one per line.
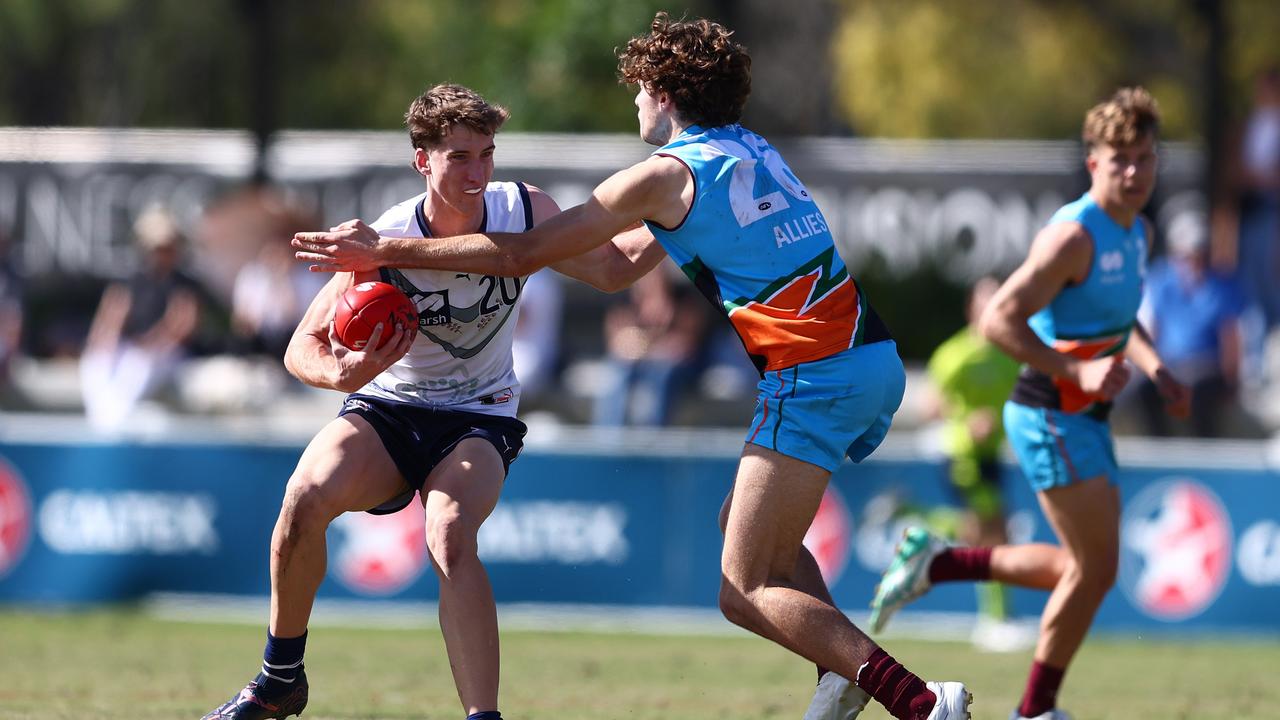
(417,438)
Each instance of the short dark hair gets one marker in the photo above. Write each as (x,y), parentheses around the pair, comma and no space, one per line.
(707,74)
(435,112)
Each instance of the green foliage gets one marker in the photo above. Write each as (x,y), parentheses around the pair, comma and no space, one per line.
(1252,27)
(1026,68)
(121,63)
(903,68)
(336,65)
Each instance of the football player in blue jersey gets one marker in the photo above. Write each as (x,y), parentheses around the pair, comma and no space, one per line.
(1069,313)
(741,225)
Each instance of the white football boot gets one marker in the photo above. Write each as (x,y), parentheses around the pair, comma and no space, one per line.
(953,701)
(836,699)
(907,576)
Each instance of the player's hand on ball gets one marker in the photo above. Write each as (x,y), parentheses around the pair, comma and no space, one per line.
(349,247)
(357,367)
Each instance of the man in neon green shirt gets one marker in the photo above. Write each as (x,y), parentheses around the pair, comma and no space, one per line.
(973,379)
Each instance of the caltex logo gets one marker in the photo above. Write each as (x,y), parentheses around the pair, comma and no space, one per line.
(829,537)
(378,554)
(1175,549)
(15,518)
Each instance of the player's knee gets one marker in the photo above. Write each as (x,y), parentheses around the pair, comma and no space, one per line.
(306,507)
(1091,579)
(451,539)
(1101,575)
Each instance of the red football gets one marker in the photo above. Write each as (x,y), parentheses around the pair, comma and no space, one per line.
(365,305)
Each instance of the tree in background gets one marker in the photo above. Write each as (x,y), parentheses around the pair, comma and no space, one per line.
(891,68)
(336,65)
(931,68)
(1024,68)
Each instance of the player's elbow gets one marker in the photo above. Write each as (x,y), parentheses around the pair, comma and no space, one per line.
(990,324)
(610,281)
(291,362)
(295,359)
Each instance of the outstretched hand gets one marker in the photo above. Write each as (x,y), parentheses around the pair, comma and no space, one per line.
(357,367)
(350,247)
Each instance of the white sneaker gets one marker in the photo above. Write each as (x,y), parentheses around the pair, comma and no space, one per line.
(836,699)
(907,576)
(953,701)
(1054,714)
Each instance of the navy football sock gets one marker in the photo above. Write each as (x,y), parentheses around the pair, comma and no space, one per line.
(485,715)
(281,660)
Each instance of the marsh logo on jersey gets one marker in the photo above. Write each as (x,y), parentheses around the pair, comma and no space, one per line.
(433,308)
(378,554)
(1175,551)
(830,536)
(15,518)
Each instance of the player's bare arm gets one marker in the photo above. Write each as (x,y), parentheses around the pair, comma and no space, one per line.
(1060,254)
(1141,351)
(657,189)
(318,358)
(1176,395)
(614,265)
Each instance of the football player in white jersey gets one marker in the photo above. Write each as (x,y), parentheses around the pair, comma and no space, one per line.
(431,412)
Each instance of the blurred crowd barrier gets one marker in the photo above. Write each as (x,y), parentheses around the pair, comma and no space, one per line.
(917,221)
(621,520)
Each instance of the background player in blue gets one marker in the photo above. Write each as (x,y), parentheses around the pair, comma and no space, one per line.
(1070,314)
(432,412)
(730,212)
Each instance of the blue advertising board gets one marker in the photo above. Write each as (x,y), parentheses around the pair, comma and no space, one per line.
(605,523)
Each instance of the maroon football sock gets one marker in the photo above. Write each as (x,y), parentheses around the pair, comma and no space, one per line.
(1041,694)
(902,693)
(961,563)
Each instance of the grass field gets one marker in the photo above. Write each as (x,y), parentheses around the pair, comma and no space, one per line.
(125,664)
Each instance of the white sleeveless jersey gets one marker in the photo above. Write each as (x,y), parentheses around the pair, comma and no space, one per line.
(461,359)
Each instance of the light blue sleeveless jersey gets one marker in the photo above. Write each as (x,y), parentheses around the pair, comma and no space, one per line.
(1094,317)
(1106,303)
(756,245)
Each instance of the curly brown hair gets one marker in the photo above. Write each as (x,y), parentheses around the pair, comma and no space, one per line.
(433,113)
(707,74)
(1126,117)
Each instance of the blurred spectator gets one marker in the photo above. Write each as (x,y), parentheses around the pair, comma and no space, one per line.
(269,296)
(1193,315)
(142,327)
(535,348)
(1259,251)
(973,378)
(10,325)
(652,344)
